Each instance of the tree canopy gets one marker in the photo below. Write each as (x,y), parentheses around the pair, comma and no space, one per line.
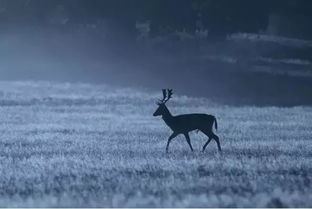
(219,16)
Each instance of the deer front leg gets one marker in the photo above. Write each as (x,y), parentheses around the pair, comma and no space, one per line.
(169,140)
(188,140)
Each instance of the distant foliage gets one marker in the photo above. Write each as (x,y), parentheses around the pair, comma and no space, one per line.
(219,17)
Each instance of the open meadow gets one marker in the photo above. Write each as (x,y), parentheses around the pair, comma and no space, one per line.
(74,145)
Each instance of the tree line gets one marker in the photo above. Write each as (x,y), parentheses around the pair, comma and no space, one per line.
(218,16)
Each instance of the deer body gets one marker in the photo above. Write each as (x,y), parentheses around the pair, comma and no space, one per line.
(188,122)
(183,124)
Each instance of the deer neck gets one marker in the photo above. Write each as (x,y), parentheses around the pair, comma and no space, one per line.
(167,117)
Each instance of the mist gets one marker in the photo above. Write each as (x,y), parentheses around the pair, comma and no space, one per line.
(125,44)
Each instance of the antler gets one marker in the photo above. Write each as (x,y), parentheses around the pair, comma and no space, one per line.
(164,97)
(167,94)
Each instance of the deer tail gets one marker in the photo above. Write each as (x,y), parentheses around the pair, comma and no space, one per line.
(216,124)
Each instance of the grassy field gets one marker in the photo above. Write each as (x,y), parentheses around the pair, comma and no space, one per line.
(92,145)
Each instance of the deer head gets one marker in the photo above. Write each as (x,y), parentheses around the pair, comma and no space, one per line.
(162,109)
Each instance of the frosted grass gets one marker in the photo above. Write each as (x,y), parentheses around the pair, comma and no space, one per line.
(73,145)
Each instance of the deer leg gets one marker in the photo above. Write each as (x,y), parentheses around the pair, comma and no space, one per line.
(218,142)
(188,140)
(204,147)
(169,140)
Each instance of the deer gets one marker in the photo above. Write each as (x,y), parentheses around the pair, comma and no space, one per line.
(183,124)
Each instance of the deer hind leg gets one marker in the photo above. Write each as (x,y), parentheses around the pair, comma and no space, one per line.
(188,140)
(216,138)
(206,144)
(211,136)
(169,140)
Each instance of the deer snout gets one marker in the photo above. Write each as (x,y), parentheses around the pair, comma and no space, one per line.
(156,113)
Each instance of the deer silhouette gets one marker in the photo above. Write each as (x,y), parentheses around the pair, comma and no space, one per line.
(183,124)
